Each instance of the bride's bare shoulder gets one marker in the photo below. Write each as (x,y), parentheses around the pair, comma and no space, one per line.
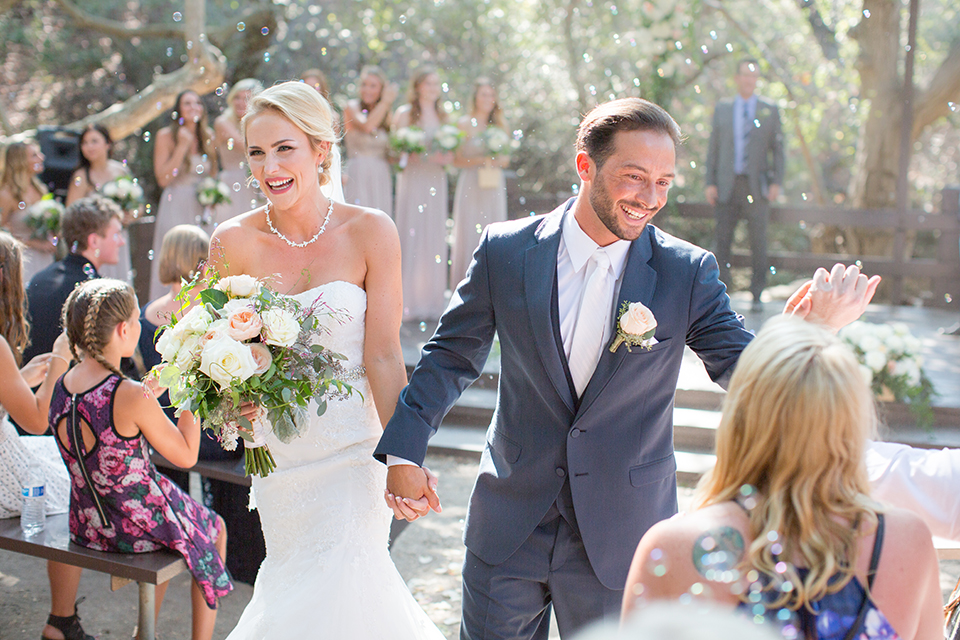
(235,239)
(367,224)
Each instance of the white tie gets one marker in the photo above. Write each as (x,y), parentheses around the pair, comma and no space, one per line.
(592,320)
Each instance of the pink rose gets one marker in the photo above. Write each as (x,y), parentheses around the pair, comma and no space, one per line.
(261,357)
(637,320)
(243,323)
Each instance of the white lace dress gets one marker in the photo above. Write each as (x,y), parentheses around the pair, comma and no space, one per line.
(16,454)
(328,572)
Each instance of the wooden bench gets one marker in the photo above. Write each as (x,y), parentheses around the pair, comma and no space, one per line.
(53,543)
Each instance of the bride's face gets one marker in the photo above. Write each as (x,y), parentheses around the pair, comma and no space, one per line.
(282,160)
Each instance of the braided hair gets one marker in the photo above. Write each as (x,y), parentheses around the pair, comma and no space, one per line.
(92,311)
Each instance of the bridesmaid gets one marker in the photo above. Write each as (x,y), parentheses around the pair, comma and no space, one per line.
(233,160)
(367,122)
(421,208)
(318,80)
(481,196)
(95,169)
(184,153)
(20,188)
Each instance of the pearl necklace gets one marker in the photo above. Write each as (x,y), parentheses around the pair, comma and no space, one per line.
(300,245)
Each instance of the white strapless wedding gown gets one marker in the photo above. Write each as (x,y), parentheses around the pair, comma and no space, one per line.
(328,573)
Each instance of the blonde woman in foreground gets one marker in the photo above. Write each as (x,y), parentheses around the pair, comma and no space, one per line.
(784,527)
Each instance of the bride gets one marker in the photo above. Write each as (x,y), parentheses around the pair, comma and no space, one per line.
(327,570)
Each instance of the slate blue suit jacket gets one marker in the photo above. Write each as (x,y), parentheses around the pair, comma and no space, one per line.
(614,445)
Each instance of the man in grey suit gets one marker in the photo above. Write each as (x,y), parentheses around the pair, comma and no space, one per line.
(744,171)
(579,458)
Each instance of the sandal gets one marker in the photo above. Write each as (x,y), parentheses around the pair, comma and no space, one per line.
(69,626)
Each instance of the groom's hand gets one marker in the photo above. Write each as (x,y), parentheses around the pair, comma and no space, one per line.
(835,298)
(411,492)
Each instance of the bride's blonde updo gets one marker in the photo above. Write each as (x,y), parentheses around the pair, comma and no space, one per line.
(305,108)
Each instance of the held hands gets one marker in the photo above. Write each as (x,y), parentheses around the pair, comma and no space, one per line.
(411,492)
(835,298)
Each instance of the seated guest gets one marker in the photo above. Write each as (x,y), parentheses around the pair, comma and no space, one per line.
(784,526)
(92,230)
(182,253)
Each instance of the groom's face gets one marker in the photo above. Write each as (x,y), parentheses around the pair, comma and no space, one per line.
(631,186)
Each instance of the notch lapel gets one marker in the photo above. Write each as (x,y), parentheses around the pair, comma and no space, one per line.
(639,284)
(540,275)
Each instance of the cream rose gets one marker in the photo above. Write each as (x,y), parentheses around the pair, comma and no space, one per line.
(187,352)
(226,360)
(261,356)
(637,320)
(241,286)
(280,327)
(169,343)
(243,322)
(215,331)
(196,321)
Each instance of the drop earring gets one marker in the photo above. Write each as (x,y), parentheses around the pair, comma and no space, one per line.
(319,168)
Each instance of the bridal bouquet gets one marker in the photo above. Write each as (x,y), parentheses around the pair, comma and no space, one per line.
(125,192)
(497,141)
(890,361)
(446,138)
(211,192)
(43,218)
(408,140)
(246,343)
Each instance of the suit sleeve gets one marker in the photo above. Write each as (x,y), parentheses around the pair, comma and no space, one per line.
(776,144)
(449,363)
(713,151)
(716,333)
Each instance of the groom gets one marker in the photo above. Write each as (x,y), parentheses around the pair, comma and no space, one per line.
(579,459)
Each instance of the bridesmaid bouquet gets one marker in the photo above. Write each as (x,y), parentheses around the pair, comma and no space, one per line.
(497,142)
(125,192)
(446,138)
(408,140)
(246,343)
(211,192)
(43,218)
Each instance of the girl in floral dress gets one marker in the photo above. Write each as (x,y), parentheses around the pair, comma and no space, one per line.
(103,423)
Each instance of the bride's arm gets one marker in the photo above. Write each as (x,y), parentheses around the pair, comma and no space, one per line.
(382,354)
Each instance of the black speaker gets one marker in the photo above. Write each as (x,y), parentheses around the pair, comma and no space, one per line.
(61,149)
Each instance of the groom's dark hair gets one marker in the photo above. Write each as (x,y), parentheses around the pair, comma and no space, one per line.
(597,130)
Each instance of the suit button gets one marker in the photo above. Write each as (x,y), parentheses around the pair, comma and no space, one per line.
(575,433)
(561,472)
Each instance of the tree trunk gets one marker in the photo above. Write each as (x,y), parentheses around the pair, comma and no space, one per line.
(874,184)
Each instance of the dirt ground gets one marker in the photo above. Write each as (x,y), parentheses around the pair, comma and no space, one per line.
(429,555)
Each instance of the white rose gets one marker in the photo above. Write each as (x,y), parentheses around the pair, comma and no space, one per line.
(136,191)
(637,320)
(241,286)
(196,321)
(187,353)
(110,189)
(895,344)
(876,360)
(226,360)
(169,343)
(870,343)
(867,374)
(280,327)
(883,331)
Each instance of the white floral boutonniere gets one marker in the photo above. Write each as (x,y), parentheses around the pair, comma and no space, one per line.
(635,327)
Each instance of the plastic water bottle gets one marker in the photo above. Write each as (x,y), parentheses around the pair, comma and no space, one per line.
(34,511)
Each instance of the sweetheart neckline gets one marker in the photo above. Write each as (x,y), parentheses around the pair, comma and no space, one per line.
(320,286)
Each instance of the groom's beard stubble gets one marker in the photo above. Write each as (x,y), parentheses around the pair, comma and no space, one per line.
(609,211)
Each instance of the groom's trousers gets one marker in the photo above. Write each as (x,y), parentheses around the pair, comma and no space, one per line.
(512,600)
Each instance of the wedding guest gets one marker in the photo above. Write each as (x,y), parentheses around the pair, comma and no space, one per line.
(91,230)
(20,191)
(784,525)
(235,172)
(318,80)
(17,452)
(367,124)
(421,204)
(481,195)
(119,502)
(183,155)
(95,169)
(184,250)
